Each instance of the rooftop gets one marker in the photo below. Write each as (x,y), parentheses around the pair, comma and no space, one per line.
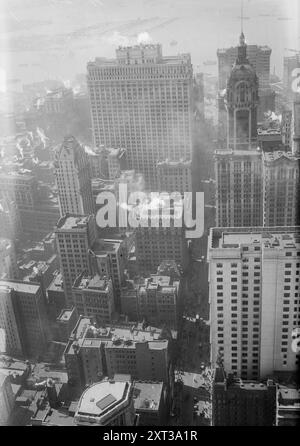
(65,315)
(57,283)
(277,155)
(114,336)
(104,246)
(20,287)
(69,222)
(147,395)
(91,283)
(101,399)
(267,237)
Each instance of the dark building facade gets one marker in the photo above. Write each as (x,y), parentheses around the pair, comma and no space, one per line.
(242,403)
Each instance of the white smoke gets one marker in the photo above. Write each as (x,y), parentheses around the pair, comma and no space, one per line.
(144,38)
(89,151)
(42,136)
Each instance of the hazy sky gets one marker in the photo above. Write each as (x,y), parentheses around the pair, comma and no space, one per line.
(42,39)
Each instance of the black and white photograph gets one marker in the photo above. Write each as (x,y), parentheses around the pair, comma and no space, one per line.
(149,216)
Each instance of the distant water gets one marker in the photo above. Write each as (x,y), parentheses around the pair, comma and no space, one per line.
(42,39)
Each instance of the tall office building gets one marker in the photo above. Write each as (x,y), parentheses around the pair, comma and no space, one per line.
(23,317)
(8,260)
(174,176)
(281,186)
(296,128)
(73,178)
(74,236)
(94,297)
(153,245)
(259,58)
(142,101)
(107,257)
(254,299)
(10,341)
(238,168)
(239,184)
(7,398)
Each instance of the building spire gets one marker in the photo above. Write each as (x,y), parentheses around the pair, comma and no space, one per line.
(242,48)
(242,16)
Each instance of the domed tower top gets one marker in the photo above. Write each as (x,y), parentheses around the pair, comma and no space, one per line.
(242,101)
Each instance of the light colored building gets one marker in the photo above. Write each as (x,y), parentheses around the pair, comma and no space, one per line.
(254,299)
(10,223)
(281,182)
(19,187)
(174,176)
(28,304)
(74,236)
(73,180)
(106,403)
(8,260)
(94,297)
(142,101)
(58,101)
(7,399)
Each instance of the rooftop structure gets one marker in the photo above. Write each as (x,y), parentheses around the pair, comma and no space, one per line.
(106,403)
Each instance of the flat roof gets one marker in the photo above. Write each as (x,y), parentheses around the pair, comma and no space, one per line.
(20,287)
(268,237)
(105,246)
(73,222)
(101,397)
(91,283)
(65,314)
(147,395)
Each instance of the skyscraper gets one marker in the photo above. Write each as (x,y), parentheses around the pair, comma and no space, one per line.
(281,188)
(24,319)
(73,178)
(238,167)
(75,235)
(259,58)
(254,299)
(142,101)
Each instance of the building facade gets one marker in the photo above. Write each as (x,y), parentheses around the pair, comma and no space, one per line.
(254,299)
(73,180)
(242,403)
(146,99)
(74,236)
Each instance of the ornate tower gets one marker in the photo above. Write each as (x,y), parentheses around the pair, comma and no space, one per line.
(242,102)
